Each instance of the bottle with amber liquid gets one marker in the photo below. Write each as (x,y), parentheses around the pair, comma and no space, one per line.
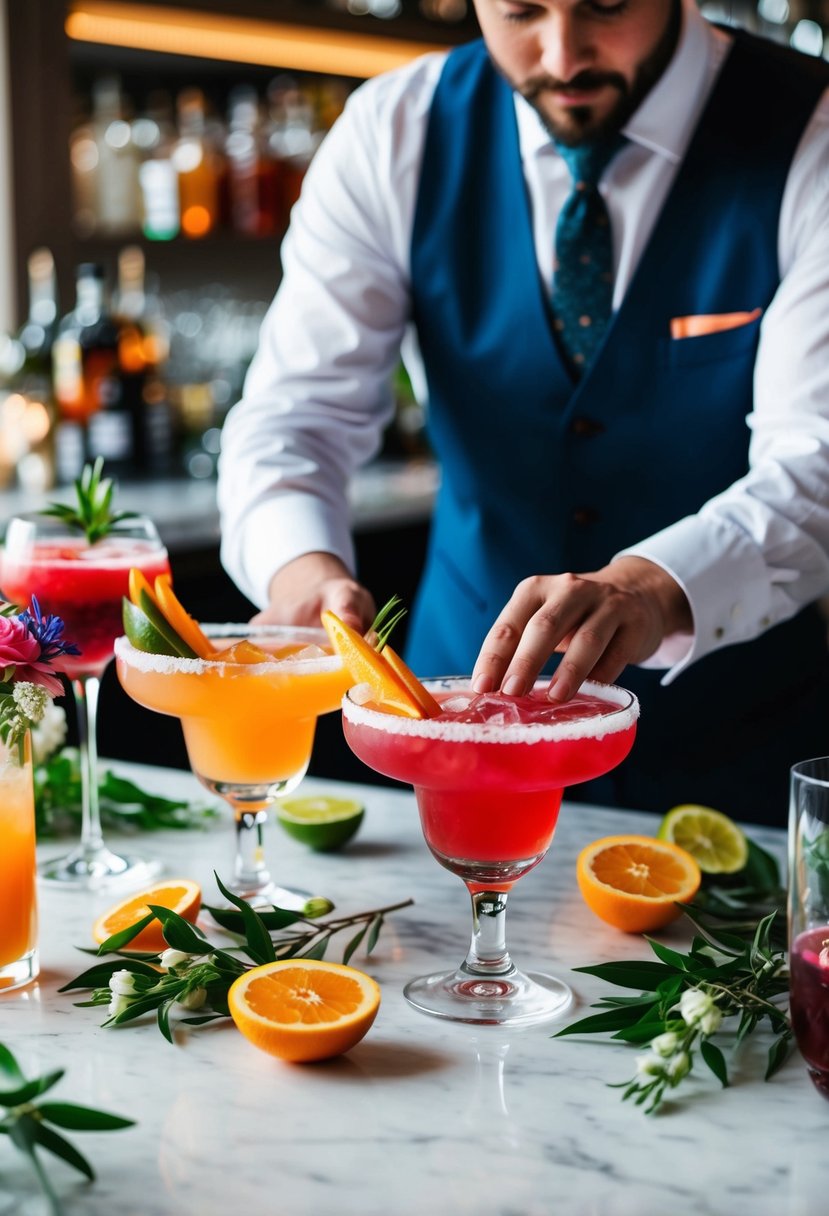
(201,168)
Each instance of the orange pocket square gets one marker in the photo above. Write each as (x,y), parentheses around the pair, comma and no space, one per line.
(714,323)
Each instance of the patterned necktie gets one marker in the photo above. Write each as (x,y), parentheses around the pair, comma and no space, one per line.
(583,269)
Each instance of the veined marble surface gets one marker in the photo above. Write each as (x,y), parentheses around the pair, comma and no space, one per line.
(422,1116)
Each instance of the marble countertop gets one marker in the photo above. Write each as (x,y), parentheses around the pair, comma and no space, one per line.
(384,494)
(422,1116)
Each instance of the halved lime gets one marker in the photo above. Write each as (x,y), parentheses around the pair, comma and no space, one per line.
(324,824)
(142,633)
(715,841)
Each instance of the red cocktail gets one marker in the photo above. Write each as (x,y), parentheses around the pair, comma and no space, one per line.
(489,774)
(809,1000)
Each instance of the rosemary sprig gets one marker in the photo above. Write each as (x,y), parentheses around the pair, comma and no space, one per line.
(385,622)
(30,1125)
(93,514)
(196,974)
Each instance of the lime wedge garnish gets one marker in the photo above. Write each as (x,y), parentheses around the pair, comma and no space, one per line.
(324,824)
(142,633)
(715,841)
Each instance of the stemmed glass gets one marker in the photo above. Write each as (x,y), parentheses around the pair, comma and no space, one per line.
(84,583)
(248,725)
(489,789)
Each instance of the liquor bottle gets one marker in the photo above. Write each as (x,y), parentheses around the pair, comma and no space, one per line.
(200,167)
(293,136)
(154,134)
(119,192)
(88,381)
(254,175)
(37,336)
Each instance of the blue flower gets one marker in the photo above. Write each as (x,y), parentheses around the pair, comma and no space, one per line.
(47,631)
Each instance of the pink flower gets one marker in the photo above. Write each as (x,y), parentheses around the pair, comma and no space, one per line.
(19,649)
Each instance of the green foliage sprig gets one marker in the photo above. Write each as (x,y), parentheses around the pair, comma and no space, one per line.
(124,805)
(93,514)
(31,1126)
(735,969)
(196,974)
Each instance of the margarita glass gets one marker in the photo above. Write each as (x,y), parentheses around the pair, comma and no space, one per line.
(489,774)
(248,726)
(84,584)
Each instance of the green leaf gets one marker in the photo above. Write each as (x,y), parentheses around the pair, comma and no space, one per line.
(30,1089)
(317,950)
(200,1019)
(233,920)
(374,932)
(99,977)
(601,1023)
(641,1032)
(715,1060)
(644,975)
(778,1053)
(178,932)
(8,1064)
(164,1020)
(761,871)
(60,1147)
(259,945)
(353,944)
(82,1118)
(117,940)
(670,957)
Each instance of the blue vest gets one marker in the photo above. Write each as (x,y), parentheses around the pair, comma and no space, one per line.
(543,475)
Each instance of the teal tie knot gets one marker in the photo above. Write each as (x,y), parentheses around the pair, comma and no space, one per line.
(583,269)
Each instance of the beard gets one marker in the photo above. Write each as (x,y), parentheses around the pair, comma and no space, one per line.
(581,124)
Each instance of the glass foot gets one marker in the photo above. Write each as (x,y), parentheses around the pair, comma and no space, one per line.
(512,999)
(20,972)
(271,894)
(100,870)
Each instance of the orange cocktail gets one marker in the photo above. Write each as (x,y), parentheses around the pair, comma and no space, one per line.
(18,906)
(248,724)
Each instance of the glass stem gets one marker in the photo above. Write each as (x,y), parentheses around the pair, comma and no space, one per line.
(488,953)
(86,689)
(250,874)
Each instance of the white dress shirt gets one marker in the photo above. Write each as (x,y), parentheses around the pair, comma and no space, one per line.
(318,393)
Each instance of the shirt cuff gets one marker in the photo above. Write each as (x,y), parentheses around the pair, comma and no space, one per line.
(279,530)
(725,579)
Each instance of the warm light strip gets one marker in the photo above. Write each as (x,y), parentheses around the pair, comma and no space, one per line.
(238,39)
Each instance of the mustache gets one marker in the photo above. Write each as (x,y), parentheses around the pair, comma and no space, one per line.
(584,81)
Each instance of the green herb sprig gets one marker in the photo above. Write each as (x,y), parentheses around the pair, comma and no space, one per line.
(124,805)
(684,999)
(93,514)
(31,1126)
(385,622)
(194,974)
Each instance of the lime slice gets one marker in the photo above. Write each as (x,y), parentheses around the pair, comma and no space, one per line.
(163,627)
(715,841)
(142,633)
(324,824)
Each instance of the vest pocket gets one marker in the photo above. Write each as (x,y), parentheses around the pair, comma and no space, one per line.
(710,348)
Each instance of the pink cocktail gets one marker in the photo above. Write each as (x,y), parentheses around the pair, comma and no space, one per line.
(809,1001)
(83,582)
(489,774)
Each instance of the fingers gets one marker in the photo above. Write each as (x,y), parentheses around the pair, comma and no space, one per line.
(351,603)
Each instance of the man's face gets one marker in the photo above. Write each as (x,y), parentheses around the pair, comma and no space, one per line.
(585,65)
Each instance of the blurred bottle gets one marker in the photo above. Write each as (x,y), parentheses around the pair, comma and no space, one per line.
(200,167)
(143,347)
(118,187)
(254,176)
(154,135)
(83,161)
(293,136)
(95,420)
(37,336)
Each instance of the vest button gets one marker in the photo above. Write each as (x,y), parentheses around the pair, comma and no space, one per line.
(584,516)
(587,427)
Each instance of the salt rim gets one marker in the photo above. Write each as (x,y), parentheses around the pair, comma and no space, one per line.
(616,720)
(169,664)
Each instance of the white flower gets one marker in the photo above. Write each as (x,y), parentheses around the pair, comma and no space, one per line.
(650,1066)
(694,1005)
(679,1067)
(710,1020)
(122,983)
(171,958)
(50,733)
(665,1044)
(118,1004)
(193,999)
(31,700)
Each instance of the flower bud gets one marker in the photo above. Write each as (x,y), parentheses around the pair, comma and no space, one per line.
(122,983)
(679,1067)
(318,906)
(694,1005)
(665,1044)
(194,999)
(118,1004)
(710,1020)
(171,959)
(650,1066)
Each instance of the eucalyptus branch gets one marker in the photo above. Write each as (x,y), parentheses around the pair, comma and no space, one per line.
(195,975)
(30,1126)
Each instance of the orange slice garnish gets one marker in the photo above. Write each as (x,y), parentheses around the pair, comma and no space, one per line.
(304,1009)
(138,583)
(635,882)
(427,703)
(181,894)
(181,620)
(366,665)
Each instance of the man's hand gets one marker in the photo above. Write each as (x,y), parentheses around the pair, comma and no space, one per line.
(304,587)
(600,622)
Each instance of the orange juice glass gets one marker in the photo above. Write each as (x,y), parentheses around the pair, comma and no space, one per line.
(248,726)
(18,904)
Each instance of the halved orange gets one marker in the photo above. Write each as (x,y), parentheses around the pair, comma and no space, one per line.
(304,1009)
(180,619)
(181,894)
(635,882)
(366,665)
